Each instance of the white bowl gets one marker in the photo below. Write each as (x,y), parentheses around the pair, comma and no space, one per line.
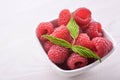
(75,72)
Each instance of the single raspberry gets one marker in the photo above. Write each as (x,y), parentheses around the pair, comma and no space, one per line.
(94,30)
(76,61)
(47,45)
(83,40)
(63,33)
(64,17)
(58,54)
(82,16)
(44,28)
(102,46)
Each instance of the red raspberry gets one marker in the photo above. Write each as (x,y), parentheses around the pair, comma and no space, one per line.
(94,30)
(63,33)
(83,40)
(58,54)
(102,46)
(82,16)
(64,17)
(44,28)
(76,61)
(47,45)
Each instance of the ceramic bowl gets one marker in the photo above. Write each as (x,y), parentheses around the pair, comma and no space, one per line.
(75,72)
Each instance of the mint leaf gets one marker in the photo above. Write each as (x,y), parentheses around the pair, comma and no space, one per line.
(58,41)
(85,52)
(73,28)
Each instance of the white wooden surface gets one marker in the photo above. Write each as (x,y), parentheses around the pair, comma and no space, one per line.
(20,53)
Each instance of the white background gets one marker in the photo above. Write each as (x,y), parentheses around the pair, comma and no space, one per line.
(20,54)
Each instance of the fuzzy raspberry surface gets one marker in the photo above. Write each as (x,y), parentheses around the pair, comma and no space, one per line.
(47,45)
(44,28)
(58,54)
(94,30)
(64,17)
(83,40)
(102,46)
(76,61)
(82,16)
(63,33)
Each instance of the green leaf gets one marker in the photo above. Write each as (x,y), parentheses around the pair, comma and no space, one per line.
(85,52)
(58,41)
(73,28)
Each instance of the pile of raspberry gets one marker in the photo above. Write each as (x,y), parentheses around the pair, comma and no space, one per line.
(90,36)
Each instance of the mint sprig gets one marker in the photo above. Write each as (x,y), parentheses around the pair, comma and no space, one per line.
(85,52)
(73,28)
(58,41)
(74,31)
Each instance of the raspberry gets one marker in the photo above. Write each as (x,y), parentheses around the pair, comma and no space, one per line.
(94,30)
(76,61)
(58,54)
(44,28)
(63,33)
(47,45)
(82,16)
(102,46)
(83,40)
(64,17)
